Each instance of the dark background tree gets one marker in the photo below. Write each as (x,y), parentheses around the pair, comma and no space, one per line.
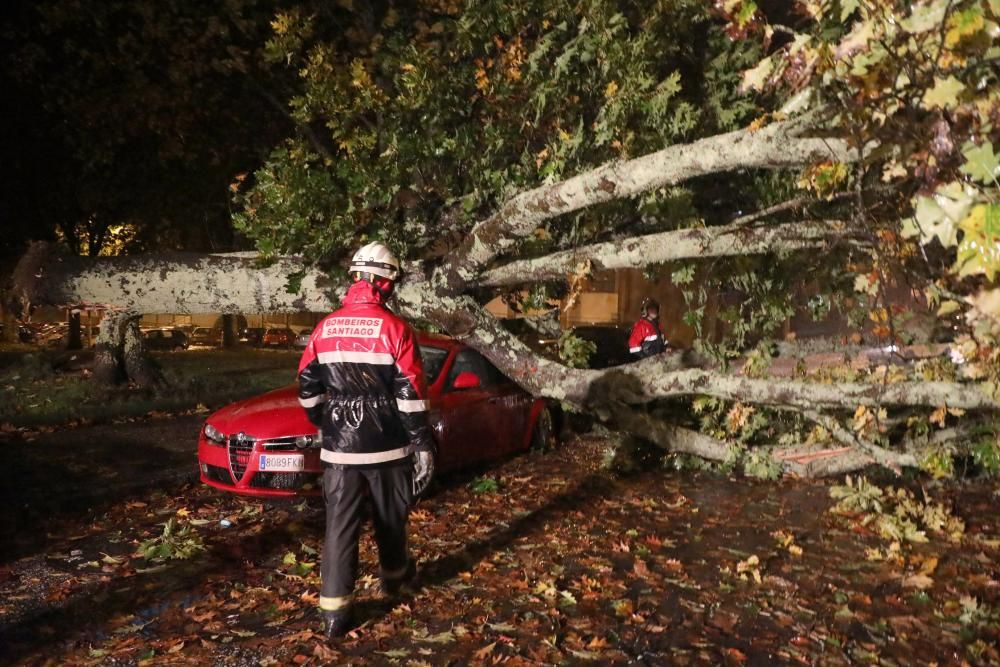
(125,122)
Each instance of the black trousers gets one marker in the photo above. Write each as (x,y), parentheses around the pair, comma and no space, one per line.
(345,490)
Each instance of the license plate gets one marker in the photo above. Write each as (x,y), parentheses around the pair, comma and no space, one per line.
(282,462)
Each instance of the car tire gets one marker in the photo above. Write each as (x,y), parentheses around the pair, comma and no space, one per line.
(543,433)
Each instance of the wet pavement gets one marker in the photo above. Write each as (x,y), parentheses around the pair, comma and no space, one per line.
(554,561)
(77,472)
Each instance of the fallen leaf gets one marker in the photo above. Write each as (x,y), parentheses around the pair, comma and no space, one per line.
(735,654)
(326,654)
(297,637)
(919,581)
(445,637)
(484,652)
(395,653)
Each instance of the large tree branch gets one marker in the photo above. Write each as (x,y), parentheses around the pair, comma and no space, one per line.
(642,251)
(664,377)
(805,395)
(170,282)
(880,455)
(775,146)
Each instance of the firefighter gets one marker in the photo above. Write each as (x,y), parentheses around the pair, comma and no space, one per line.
(646,339)
(361,381)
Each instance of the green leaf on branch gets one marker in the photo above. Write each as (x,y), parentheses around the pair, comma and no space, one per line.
(825,178)
(847,8)
(925,17)
(756,77)
(979,251)
(986,454)
(294,282)
(575,351)
(963,24)
(981,162)
(938,216)
(944,94)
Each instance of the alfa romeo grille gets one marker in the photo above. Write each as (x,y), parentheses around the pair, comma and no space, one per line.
(240,446)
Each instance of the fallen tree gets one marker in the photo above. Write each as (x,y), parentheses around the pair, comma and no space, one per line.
(243,283)
(837,157)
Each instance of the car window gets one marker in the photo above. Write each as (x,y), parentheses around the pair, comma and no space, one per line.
(433,358)
(154,334)
(473,362)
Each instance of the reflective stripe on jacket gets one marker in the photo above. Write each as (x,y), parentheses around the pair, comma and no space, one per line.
(646,339)
(361,381)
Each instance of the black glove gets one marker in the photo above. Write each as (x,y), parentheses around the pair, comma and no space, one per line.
(423,471)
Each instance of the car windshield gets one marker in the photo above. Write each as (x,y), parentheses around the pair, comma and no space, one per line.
(433,358)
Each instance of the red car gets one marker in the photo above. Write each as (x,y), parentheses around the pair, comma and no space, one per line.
(278,338)
(265,446)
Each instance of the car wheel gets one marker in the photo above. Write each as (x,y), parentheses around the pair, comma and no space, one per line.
(543,435)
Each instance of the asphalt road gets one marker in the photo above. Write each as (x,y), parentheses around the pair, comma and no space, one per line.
(81,471)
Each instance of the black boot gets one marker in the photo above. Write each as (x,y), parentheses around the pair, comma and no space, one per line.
(391,587)
(336,623)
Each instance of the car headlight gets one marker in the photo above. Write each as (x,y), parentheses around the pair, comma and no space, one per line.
(305,441)
(214,434)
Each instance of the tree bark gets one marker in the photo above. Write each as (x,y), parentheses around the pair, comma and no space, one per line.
(775,146)
(107,369)
(228,331)
(120,354)
(170,283)
(74,338)
(642,251)
(139,367)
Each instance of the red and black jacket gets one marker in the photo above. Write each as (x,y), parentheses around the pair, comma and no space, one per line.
(646,339)
(361,381)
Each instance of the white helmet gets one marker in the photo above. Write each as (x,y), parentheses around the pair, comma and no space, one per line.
(377,260)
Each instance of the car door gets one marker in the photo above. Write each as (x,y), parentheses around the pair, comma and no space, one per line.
(476,419)
(510,409)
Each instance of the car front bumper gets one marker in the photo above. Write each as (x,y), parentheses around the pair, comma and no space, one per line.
(238,470)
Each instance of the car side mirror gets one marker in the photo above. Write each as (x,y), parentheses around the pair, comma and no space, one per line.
(466,380)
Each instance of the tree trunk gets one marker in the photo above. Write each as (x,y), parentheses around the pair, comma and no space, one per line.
(170,283)
(139,367)
(74,339)
(108,369)
(120,355)
(228,331)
